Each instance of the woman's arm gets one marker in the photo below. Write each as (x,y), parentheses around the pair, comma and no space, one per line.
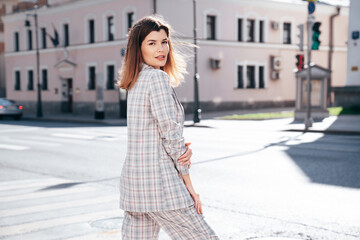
(163,109)
(194,195)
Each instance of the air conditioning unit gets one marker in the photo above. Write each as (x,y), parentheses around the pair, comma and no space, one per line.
(215,63)
(274,25)
(275,75)
(276,63)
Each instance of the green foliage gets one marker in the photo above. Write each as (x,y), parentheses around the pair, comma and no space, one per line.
(333,111)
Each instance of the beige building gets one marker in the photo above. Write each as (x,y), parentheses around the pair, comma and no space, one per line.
(246,57)
(9,7)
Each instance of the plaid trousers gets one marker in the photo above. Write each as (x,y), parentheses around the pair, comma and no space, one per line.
(180,224)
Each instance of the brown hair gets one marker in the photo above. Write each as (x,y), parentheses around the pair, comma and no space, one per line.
(175,65)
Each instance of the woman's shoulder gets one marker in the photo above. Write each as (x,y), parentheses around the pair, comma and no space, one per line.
(153,75)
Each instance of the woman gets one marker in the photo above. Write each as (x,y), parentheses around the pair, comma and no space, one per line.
(155,186)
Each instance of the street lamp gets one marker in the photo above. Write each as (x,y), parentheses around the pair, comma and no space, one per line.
(197,110)
(39,112)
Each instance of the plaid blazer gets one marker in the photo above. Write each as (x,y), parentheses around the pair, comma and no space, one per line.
(151,177)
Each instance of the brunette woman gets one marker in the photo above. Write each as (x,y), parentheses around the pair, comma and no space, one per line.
(155,187)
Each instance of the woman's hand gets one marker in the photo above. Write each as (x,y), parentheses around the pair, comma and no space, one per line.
(197,201)
(186,157)
(196,198)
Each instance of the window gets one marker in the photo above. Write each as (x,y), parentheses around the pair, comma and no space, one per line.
(17,86)
(130,20)
(43,37)
(250,77)
(30,85)
(66,35)
(110,81)
(92,78)
(29,34)
(240,82)
(287,33)
(111,28)
(91,31)
(261,31)
(44,75)
(210,23)
(250,30)
(16,42)
(261,77)
(240,38)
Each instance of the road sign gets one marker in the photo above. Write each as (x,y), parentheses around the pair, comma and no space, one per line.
(311,7)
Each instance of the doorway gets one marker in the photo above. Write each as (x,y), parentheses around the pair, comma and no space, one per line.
(67,96)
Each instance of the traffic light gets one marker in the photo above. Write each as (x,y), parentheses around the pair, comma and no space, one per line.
(300,61)
(301,37)
(315,36)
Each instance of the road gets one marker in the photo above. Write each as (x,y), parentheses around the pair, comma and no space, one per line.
(60,180)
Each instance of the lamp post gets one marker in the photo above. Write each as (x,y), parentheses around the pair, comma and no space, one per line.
(39,112)
(197,110)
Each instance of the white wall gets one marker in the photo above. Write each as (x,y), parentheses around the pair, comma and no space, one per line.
(353,60)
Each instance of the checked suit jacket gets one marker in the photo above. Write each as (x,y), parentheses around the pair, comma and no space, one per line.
(151,177)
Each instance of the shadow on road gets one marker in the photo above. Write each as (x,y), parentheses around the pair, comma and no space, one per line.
(332,159)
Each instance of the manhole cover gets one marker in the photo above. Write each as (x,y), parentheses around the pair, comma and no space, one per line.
(108,223)
(275,238)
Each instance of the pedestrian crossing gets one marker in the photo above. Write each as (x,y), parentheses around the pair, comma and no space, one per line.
(55,138)
(38,208)
(59,209)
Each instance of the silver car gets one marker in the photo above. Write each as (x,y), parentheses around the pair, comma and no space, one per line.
(10,108)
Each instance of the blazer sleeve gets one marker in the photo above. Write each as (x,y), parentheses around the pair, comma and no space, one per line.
(163,109)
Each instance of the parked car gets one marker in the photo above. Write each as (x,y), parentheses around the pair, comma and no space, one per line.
(10,108)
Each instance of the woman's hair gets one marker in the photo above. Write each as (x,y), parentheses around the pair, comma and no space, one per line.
(175,65)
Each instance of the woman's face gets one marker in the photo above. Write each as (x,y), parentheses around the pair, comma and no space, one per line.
(155,49)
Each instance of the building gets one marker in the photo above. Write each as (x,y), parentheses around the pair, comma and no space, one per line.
(245,60)
(348,96)
(8,7)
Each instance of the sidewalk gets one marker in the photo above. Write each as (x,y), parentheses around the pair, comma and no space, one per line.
(70,118)
(344,124)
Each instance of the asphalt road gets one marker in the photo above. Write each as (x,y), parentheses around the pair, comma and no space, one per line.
(60,180)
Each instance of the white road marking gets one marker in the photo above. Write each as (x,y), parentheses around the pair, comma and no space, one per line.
(44,224)
(52,193)
(114,234)
(40,143)
(19,129)
(59,205)
(30,183)
(13,147)
(76,136)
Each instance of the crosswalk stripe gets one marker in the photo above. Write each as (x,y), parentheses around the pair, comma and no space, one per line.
(13,185)
(44,224)
(22,141)
(59,205)
(46,194)
(23,129)
(114,234)
(13,147)
(76,136)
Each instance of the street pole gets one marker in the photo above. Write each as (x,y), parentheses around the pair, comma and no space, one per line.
(308,120)
(39,112)
(197,110)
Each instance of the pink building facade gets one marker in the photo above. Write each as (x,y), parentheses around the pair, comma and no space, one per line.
(246,57)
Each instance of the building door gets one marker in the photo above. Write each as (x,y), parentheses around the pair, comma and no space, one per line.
(70,95)
(67,96)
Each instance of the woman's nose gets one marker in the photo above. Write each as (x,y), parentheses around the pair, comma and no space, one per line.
(160,48)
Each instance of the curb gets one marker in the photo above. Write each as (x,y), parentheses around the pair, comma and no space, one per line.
(340,132)
(75,120)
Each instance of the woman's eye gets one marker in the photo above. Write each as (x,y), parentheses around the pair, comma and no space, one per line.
(151,43)
(164,42)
